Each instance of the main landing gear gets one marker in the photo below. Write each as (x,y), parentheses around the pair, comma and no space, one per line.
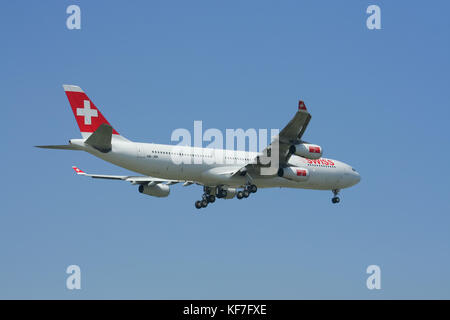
(207,198)
(250,188)
(210,195)
(335,199)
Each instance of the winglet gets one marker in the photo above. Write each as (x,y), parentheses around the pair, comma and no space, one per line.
(77,170)
(301,105)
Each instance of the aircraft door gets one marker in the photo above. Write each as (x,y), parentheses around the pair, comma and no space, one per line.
(140,150)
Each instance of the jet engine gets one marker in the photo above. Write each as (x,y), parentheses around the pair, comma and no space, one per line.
(306,150)
(157,190)
(294,173)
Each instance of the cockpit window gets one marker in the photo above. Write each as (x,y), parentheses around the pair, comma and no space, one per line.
(353,169)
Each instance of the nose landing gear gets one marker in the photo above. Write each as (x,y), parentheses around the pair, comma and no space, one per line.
(335,199)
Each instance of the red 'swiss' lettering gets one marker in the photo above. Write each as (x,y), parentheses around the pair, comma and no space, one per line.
(301,173)
(324,162)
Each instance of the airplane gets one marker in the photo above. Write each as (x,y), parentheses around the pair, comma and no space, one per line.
(224,174)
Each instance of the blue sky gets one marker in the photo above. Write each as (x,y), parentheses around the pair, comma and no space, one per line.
(379,101)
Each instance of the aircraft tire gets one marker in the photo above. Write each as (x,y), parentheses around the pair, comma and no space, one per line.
(335,200)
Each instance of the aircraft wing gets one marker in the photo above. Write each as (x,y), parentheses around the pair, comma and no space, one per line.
(293,131)
(291,134)
(132,179)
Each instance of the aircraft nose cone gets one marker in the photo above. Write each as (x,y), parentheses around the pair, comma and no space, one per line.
(357,177)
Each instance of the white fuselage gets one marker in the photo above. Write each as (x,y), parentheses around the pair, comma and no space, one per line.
(213,167)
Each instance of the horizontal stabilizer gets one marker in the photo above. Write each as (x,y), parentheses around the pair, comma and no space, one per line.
(147,180)
(62,147)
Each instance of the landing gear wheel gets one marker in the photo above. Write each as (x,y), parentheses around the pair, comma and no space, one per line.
(335,200)
(198,204)
(204,203)
(240,195)
(245,193)
(211,198)
(252,188)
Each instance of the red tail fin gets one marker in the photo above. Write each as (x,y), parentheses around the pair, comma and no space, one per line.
(88,117)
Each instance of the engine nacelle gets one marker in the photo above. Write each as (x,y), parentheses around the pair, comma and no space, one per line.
(306,150)
(157,190)
(294,173)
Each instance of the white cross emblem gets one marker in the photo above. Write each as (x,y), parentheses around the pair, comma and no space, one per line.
(87,112)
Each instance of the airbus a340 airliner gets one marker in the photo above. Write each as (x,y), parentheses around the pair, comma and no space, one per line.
(222,173)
